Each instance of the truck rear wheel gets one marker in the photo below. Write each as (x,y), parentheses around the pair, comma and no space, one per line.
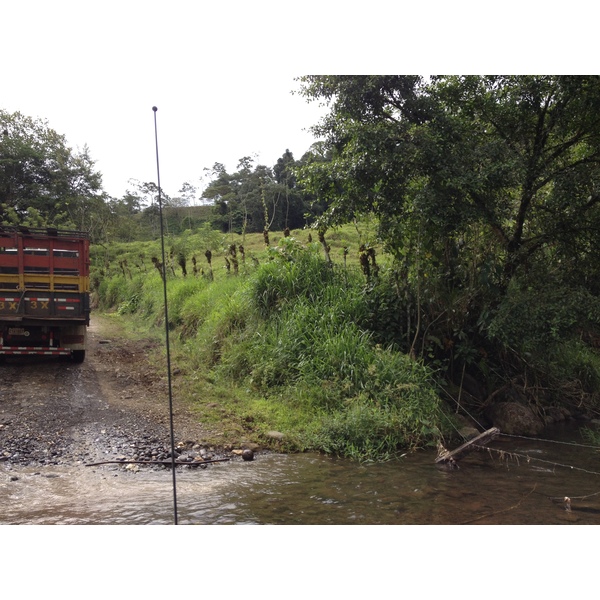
(78,356)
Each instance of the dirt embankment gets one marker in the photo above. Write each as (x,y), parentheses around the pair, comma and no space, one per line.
(113,406)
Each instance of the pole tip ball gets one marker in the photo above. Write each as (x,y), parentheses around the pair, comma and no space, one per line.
(154,108)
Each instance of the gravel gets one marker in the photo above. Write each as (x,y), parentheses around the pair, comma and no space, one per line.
(108,408)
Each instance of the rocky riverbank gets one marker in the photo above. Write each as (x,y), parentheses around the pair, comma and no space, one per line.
(112,407)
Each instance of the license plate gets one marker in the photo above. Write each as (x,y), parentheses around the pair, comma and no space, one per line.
(18,331)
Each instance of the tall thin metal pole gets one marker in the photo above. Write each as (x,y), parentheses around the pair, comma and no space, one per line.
(164,278)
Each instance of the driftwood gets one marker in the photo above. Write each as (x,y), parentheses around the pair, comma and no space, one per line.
(447,457)
(195,463)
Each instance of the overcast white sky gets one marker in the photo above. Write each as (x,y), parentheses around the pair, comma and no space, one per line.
(221,75)
(94,70)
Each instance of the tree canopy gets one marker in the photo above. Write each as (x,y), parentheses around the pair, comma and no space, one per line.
(518,156)
(258,198)
(43,179)
(43,182)
(487,191)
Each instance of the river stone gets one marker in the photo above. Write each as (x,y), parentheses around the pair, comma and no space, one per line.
(514,418)
(275,435)
(556,414)
(468,433)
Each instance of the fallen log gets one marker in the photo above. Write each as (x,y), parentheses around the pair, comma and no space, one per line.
(450,457)
(196,463)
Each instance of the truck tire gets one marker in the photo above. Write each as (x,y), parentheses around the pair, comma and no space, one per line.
(78,356)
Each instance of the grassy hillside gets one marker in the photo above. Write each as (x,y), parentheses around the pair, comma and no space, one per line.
(278,338)
(135,257)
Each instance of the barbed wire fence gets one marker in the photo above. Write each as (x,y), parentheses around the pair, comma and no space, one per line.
(505,455)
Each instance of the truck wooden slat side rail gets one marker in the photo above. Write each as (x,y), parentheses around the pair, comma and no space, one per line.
(44,292)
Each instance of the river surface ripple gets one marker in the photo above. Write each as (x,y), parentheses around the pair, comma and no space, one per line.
(312,489)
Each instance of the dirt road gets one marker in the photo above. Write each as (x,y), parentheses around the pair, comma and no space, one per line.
(113,406)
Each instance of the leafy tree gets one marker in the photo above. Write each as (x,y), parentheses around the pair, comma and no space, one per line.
(147,193)
(518,156)
(284,170)
(223,191)
(188,194)
(256,197)
(123,223)
(477,182)
(43,178)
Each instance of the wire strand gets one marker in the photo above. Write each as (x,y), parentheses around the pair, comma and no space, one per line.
(530,458)
(523,437)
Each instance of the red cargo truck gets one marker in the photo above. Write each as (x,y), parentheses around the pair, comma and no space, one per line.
(44,292)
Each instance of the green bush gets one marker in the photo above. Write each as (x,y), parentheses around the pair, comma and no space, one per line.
(365,431)
(179,292)
(293,272)
(113,291)
(374,401)
(215,320)
(574,361)
(208,298)
(536,316)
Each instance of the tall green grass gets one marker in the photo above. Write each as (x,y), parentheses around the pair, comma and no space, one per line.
(285,340)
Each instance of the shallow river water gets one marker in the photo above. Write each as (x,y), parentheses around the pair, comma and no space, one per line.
(312,489)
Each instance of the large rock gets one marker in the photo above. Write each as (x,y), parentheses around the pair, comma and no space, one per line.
(515,418)
(556,414)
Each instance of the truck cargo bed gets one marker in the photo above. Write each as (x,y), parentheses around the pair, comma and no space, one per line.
(44,291)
